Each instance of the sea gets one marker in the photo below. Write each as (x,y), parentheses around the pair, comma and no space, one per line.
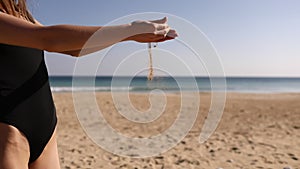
(175,84)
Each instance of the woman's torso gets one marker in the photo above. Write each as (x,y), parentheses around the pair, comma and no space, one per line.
(17,64)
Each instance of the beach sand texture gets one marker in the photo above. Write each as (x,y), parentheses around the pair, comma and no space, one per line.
(256,131)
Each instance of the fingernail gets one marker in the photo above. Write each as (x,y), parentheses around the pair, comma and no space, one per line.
(172,34)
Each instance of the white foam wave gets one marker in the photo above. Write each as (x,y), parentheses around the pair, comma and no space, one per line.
(89,89)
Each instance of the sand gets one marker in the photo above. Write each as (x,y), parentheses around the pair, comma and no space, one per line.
(256,131)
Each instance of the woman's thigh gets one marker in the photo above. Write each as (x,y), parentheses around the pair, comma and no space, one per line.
(49,158)
(14,148)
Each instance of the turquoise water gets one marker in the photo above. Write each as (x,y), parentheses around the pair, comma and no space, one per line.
(140,84)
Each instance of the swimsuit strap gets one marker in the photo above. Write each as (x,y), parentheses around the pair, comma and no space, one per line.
(27,89)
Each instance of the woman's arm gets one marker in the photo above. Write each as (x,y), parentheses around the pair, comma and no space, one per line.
(70,39)
(81,52)
(143,38)
(57,38)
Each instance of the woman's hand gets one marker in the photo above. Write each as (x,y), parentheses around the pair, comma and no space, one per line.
(152,31)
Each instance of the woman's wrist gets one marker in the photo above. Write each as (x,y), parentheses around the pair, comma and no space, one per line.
(130,32)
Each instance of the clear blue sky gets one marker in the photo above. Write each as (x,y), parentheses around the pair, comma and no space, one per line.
(253,38)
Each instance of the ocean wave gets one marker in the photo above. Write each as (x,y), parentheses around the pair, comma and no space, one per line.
(120,89)
(89,89)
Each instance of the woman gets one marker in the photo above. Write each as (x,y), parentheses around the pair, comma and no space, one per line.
(27,113)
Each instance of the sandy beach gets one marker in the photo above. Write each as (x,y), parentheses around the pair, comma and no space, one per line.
(256,131)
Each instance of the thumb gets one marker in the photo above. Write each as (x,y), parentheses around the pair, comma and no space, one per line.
(160,21)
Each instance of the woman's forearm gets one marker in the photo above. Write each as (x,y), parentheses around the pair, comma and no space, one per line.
(62,38)
(85,51)
(58,38)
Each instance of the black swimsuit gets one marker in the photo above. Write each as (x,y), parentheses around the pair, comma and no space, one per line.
(25,97)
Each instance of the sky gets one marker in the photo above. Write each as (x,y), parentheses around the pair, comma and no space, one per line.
(251,38)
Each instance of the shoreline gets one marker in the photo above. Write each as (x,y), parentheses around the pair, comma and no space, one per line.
(178,92)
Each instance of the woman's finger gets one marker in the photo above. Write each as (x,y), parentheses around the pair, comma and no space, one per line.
(163,32)
(161,27)
(172,33)
(160,21)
